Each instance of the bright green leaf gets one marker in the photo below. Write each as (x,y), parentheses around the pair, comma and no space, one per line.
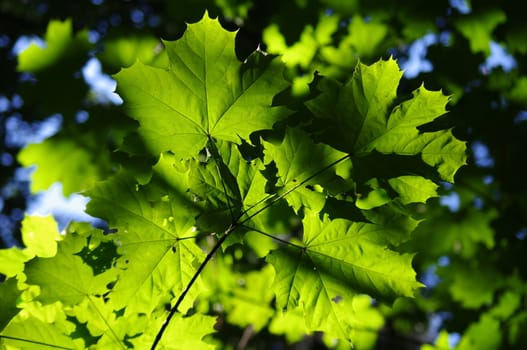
(183,333)
(485,334)
(508,303)
(40,235)
(338,260)
(441,343)
(182,107)
(125,51)
(289,323)
(12,260)
(375,198)
(35,334)
(249,301)
(365,36)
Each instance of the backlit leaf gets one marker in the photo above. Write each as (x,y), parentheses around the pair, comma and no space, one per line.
(40,235)
(205,92)
(337,260)
(359,118)
(152,237)
(66,277)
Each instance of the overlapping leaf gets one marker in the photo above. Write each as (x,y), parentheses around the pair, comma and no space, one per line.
(158,259)
(9,294)
(230,188)
(206,92)
(359,117)
(66,277)
(207,101)
(302,163)
(336,260)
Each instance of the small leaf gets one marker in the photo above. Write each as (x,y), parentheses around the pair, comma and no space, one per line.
(485,334)
(474,287)
(40,235)
(413,189)
(301,162)
(60,43)
(478,28)
(12,260)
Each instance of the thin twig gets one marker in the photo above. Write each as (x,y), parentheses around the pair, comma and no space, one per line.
(273,237)
(247,334)
(173,310)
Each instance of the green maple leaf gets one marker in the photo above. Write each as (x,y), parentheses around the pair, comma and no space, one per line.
(475,286)
(158,258)
(337,260)
(358,118)
(125,51)
(486,334)
(205,92)
(58,88)
(413,189)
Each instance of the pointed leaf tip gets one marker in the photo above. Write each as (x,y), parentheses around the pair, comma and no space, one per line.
(180,108)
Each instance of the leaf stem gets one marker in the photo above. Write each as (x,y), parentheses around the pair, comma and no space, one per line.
(35,342)
(273,237)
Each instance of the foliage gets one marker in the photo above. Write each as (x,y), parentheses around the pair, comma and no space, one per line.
(259,194)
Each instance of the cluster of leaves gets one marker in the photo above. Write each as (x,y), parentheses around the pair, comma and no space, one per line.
(232,198)
(475,252)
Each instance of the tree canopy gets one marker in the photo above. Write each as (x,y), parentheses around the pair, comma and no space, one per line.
(286,174)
